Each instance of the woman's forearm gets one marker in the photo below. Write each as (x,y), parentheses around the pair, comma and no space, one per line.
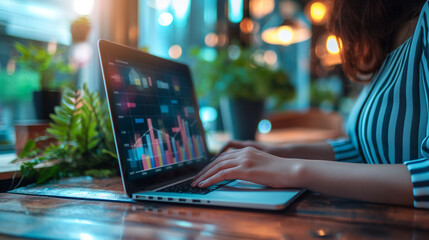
(389,184)
(321,151)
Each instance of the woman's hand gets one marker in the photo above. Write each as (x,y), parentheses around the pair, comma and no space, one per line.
(251,164)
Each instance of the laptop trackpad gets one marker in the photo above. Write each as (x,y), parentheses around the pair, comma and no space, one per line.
(252,195)
(240,185)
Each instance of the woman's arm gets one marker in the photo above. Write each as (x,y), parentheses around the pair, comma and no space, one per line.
(382,183)
(321,150)
(376,183)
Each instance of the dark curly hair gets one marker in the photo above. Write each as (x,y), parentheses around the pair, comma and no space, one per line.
(367,29)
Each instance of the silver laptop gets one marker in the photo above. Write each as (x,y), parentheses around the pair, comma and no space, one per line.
(159,137)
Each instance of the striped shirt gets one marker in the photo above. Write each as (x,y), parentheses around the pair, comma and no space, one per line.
(389,122)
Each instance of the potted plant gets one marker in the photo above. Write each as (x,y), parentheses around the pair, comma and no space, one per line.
(80,29)
(242,86)
(82,141)
(46,65)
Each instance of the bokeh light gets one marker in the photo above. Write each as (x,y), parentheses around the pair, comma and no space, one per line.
(175,51)
(234,52)
(208,54)
(181,8)
(285,34)
(235,10)
(83,7)
(270,57)
(246,26)
(258,57)
(223,38)
(332,45)
(162,4)
(317,12)
(208,114)
(85,236)
(260,8)
(211,39)
(165,19)
(327,49)
(264,126)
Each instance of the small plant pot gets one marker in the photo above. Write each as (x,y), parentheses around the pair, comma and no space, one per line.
(241,117)
(79,32)
(30,129)
(45,102)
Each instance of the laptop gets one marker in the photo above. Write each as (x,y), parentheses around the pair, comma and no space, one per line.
(160,140)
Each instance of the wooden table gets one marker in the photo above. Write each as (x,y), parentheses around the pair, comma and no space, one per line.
(312,216)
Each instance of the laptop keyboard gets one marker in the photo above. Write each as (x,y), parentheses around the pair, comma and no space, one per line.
(185,187)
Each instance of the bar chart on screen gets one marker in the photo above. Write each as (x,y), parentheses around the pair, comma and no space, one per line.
(158,148)
(157,120)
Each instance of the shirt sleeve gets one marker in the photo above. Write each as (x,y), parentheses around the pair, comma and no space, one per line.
(345,151)
(419,168)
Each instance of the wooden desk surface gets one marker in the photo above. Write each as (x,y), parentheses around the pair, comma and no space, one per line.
(312,216)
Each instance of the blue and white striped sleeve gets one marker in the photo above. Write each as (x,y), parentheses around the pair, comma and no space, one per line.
(419,168)
(345,151)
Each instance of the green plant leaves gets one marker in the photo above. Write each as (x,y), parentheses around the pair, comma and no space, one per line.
(28,148)
(240,78)
(20,85)
(84,140)
(65,120)
(39,60)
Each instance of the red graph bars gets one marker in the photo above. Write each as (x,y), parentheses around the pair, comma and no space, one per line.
(162,149)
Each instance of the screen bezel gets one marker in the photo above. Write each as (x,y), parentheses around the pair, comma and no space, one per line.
(109,51)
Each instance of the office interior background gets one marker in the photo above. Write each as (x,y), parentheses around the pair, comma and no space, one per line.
(181,30)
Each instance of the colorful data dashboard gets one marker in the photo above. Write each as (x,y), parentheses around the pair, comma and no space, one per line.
(158,124)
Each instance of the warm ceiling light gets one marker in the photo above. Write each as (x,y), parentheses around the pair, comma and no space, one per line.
(291,31)
(317,12)
(328,48)
(332,45)
(285,34)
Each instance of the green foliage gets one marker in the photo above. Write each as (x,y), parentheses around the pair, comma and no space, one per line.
(39,60)
(84,144)
(81,20)
(19,85)
(240,78)
(320,94)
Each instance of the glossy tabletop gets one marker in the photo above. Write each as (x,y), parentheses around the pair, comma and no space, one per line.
(312,216)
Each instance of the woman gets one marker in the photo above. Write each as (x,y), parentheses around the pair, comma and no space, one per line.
(386,157)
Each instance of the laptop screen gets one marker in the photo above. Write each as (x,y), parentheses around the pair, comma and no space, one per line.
(156,118)
(155,115)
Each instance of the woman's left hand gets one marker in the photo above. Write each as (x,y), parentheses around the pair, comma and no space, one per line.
(253,165)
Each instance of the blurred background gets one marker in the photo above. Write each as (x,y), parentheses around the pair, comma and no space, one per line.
(280,47)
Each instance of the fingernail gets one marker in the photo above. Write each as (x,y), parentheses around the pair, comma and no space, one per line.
(201,183)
